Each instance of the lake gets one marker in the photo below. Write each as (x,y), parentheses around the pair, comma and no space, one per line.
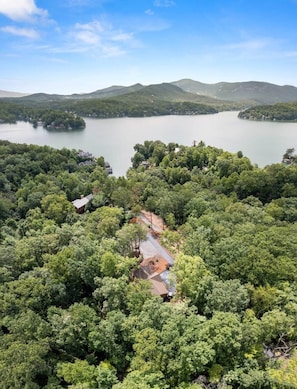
(262,142)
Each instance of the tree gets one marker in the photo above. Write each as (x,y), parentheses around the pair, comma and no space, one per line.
(56,207)
(111,340)
(224,332)
(35,290)
(122,197)
(129,238)
(226,296)
(277,324)
(172,240)
(289,155)
(284,373)
(26,326)
(111,293)
(5,206)
(139,380)
(193,278)
(71,328)
(138,292)
(173,348)
(108,264)
(106,375)
(82,374)
(106,220)
(78,372)
(23,365)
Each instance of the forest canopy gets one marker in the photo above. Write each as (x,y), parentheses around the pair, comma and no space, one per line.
(67,114)
(73,316)
(276,112)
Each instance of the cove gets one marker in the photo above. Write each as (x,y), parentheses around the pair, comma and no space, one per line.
(263,143)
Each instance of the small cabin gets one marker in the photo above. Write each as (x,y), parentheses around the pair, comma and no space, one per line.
(81,203)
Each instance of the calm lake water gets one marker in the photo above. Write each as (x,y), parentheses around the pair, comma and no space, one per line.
(262,142)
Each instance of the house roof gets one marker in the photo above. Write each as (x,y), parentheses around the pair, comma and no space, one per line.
(79,203)
(154,265)
(158,286)
(155,270)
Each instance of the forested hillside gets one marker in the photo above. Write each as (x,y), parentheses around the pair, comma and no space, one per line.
(256,92)
(66,112)
(183,97)
(280,112)
(73,316)
(48,118)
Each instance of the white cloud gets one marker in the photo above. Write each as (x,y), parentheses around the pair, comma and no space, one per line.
(100,36)
(112,51)
(21,9)
(254,44)
(95,26)
(25,32)
(88,37)
(149,12)
(121,37)
(89,33)
(164,3)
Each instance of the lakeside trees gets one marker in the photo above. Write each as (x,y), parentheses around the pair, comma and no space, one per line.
(48,118)
(70,314)
(67,114)
(279,112)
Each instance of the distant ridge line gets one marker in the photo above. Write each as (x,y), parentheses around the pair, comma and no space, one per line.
(251,92)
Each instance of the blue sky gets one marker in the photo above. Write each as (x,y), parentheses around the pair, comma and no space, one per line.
(75,46)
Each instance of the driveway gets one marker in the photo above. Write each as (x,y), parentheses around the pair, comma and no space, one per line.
(151,248)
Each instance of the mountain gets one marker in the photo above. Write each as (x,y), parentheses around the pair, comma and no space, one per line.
(4,93)
(164,92)
(111,91)
(98,94)
(132,94)
(253,91)
(223,95)
(41,98)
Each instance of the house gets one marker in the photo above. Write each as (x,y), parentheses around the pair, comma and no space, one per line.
(155,270)
(108,168)
(81,203)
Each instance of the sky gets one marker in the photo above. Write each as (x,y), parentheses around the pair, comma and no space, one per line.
(79,46)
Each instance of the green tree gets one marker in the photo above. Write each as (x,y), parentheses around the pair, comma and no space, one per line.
(193,278)
(129,238)
(111,340)
(224,332)
(139,380)
(56,207)
(106,220)
(111,293)
(174,349)
(35,290)
(78,372)
(226,296)
(284,374)
(71,328)
(23,365)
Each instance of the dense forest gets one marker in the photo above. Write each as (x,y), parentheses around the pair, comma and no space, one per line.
(275,112)
(111,108)
(48,118)
(67,113)
(72,315)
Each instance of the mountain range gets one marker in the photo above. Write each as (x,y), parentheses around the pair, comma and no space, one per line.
(218,94)
(4,93)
